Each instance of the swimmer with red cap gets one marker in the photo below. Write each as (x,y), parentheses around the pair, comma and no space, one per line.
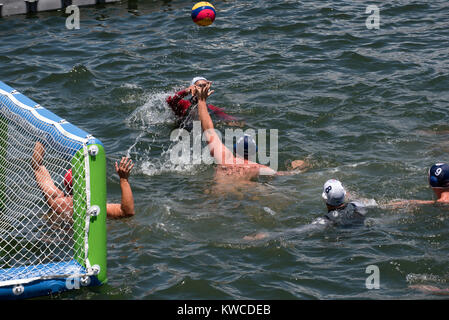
(438,176)
(61,203)
(184,109)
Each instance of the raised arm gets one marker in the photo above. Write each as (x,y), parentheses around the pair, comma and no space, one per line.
(55,197)
(126,207)
(217,149)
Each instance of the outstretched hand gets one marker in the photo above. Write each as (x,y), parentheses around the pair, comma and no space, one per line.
(298,164)
(124,168)
(258,236)
(38,155)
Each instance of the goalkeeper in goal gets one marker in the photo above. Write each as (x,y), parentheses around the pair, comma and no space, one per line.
(63,205)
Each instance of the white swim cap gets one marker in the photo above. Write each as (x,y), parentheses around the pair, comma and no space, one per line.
(333,192)
(194,80)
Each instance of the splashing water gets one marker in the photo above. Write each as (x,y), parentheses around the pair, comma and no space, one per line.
(148,118)
(154,112)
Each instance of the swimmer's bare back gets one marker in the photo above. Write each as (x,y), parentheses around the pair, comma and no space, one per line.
(243,171)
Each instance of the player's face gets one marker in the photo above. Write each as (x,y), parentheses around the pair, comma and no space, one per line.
(201,83)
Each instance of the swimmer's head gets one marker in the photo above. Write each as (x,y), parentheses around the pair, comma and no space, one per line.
(245,147)
(439,176)
(333,193)
(199,81)
(68,181)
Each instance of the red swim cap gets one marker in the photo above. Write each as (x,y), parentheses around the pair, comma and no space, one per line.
(68,181)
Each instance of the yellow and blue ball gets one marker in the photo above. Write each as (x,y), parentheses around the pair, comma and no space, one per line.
(203,13)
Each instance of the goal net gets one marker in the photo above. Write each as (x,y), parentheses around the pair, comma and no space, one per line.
(52,211)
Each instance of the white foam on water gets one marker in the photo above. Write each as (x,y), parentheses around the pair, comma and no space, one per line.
(269,210)
(133,95)
(164,165)
(130,86)
(342,167)
(413,278)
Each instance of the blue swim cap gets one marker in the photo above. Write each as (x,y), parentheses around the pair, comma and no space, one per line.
(439,175)
(249,146)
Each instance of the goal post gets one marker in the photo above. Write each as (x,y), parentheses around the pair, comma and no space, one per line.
(96,237)
(47,245)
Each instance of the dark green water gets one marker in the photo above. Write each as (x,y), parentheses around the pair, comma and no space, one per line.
(368,107)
